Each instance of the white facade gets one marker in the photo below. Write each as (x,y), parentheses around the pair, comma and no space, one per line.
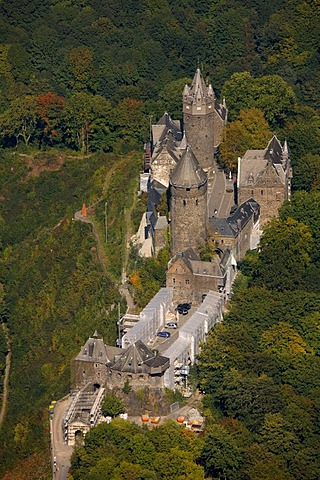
(184,350)
(152,318)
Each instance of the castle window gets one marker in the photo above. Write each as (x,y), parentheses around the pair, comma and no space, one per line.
(261,191)
(188,189)
(252,192)
(184,203)
(187,281)
(141,377)
(173,281)
(197,202)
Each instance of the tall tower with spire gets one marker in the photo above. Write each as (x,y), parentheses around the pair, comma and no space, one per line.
(198,118)
(204,118)
(188,204)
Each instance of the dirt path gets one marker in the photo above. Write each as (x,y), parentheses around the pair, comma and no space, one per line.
(6,375)
(101,251)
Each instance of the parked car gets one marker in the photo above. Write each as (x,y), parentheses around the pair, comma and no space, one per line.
(183,308)
(163,334)
(171,325)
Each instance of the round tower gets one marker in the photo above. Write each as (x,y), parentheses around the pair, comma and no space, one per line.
(198,118)
(188,203)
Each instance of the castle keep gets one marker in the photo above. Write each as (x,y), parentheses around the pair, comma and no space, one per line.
(203,119)
(188,204)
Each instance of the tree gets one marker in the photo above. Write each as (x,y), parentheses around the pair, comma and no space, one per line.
(285,253)
(270,93)
(82,68)
(170,97)
(221,455)
(20,120)
(112,405)
(50,112)
(305,207)
(250,130)
(87,122)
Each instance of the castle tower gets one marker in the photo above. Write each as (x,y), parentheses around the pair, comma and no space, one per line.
(188,203)
(198,118)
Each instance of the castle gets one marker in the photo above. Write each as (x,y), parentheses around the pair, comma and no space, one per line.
(205,208)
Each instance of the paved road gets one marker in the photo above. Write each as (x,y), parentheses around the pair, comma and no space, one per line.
(61,452)
(220,200)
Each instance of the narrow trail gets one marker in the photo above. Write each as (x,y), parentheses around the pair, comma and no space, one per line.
(101,251)
(5,394)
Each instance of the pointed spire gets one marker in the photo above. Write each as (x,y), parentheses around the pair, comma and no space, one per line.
(210,91)
(188,172)
(285,148)
(185,91)
(183,143)
(95,335)
(198,84)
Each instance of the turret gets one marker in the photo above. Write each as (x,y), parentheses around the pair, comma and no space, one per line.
(188,204)
(198,118)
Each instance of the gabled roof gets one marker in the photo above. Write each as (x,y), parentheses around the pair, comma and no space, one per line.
(254,163)
(274,151)
(94,350)
(188,172)
(161,128)
(231,226)
(133,359)
(138,358)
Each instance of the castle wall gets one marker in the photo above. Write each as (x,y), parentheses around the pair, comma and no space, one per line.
(199,130)
(188,217)
(270,199)
(162,166)
(84,372)
(218,126)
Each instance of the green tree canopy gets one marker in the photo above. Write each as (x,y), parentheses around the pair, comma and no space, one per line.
(112,405)
(250,130)
(269,93)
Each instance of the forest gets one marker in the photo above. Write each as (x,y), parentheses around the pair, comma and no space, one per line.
(80,83)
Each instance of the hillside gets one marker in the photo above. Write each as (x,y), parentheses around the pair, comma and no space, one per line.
(56,292)
(81,83)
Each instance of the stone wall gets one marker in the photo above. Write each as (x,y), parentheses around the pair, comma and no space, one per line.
(188,217)
(199,130)
(84,372)
(218,126)
(270,199)
(162,166)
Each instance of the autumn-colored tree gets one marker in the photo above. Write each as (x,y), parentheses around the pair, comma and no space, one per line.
(49,110)
(82,68)
(250,130)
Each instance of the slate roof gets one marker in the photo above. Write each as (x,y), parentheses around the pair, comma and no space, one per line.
(198,86)
(210,269)
(94,350)
(138,358)
(161,128)
(254,162)
(188,172)
(230,227)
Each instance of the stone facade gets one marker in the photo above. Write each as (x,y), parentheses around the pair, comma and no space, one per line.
(203,119)
(136,364)
(190,278)
(236,232)
(265,175)
(188,204)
